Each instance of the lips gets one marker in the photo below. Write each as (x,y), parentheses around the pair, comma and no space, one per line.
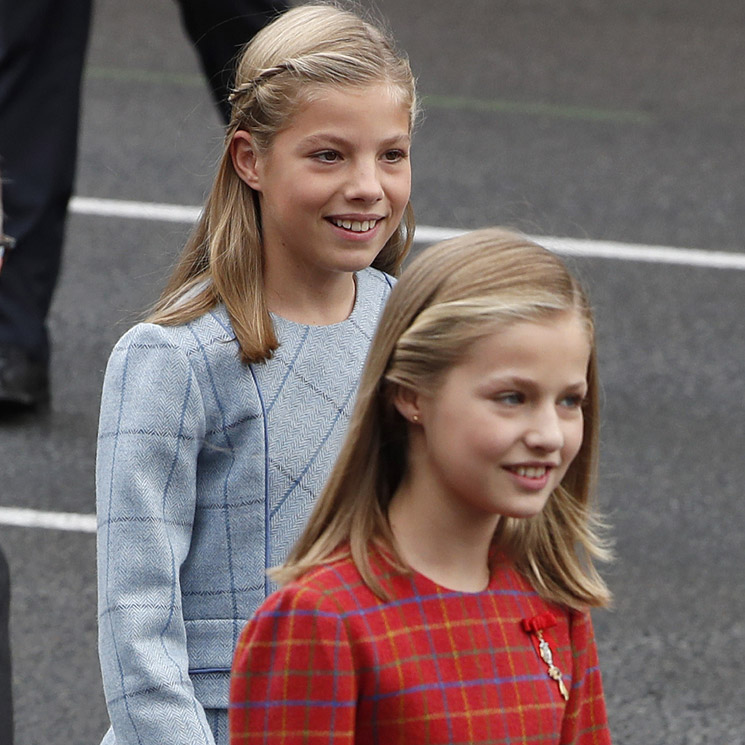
(530,472)
(355,226)
(533,477)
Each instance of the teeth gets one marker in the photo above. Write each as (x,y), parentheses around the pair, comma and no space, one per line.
(531,472)
(356,226)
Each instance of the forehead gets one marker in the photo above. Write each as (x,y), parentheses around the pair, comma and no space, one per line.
(556,349)
(384,97)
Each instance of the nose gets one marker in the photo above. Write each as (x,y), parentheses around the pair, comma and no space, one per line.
(365,183)
(545,432)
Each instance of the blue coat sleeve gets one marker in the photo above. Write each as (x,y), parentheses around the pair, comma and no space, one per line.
(151,427)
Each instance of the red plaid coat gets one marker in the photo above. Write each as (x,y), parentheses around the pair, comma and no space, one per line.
(325,661)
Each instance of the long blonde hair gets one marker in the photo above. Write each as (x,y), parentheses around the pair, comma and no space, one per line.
(452,295)
(307,47)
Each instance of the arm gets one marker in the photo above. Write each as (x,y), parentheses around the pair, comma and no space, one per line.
(293,674)
(585,719)
(151,427)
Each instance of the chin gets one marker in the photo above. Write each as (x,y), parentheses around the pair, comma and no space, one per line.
(523,512)
(357,263)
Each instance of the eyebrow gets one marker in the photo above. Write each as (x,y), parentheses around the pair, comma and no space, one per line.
(518,382)
(323,139)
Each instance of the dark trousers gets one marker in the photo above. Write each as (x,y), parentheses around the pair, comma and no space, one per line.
(6,698)
(42,51)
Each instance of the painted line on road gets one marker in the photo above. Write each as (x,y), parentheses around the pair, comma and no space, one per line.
(535,108)
(22,517)
(428,234)
(653,254)
(428,100)
(134,210)
(138,75)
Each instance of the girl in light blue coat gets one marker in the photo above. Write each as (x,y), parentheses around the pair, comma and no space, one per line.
(222,414)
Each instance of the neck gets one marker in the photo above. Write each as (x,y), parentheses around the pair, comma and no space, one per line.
(317,301)
(440,543)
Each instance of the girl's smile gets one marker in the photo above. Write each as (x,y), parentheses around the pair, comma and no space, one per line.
(531,477)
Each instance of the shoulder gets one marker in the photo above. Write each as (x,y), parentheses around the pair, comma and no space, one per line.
(335,588)
(141,353)
(207,330)
(299,634)
(373,290)
(155,362)
(309,611)
(371,279)
(580,628)
(374,286)
(329,596)
(202,347)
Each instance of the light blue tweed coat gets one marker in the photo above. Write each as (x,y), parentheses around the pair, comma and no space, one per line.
(206,471)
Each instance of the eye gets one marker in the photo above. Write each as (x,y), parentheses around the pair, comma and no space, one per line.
(573,401)
(394,156)
(327,156)
(510,398)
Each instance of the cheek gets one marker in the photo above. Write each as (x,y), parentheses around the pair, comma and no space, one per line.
(482,437)
(573,440)
(308,191)
(406,189)
(399,190)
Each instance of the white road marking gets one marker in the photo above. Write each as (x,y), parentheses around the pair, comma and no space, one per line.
(653,254)
(136,210)
(428,234)
(27,518)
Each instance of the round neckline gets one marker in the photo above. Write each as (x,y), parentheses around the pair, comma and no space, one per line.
(423,579)
(358,281)
(426,585)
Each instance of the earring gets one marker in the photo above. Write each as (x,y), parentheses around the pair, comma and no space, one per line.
(415,418)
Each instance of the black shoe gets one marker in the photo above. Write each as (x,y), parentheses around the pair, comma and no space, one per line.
(24,382)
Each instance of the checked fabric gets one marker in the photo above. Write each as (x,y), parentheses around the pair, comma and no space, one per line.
(207,469)
(325,661)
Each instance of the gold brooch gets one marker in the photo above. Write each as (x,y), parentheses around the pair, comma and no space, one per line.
(536,626)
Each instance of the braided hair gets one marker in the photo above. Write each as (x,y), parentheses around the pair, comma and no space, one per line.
(306,48)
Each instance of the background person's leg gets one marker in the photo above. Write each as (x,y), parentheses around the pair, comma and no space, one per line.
(219,29)
(42,50)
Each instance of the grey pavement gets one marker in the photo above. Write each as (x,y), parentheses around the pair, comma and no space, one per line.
(586,118)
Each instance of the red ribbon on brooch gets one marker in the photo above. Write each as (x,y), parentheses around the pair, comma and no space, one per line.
(536,626)
(538,623)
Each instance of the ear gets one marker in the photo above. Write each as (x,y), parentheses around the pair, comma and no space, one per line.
(245,159)
(406,401)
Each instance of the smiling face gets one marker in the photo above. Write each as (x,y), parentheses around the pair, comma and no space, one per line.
(333,185)
(499,432)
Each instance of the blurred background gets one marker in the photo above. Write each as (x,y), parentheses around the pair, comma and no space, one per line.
(596,120)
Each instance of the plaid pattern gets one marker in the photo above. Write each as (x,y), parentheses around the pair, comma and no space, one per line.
(324,661)
(206,470)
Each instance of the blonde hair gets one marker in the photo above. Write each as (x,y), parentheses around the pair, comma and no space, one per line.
(452,295)
(285,63)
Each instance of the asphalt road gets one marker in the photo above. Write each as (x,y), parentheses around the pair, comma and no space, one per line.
(588,119)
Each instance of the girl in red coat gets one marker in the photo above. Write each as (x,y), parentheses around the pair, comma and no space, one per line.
(441,591)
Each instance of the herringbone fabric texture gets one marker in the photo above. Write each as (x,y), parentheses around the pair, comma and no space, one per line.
(206,471)
(325,661)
